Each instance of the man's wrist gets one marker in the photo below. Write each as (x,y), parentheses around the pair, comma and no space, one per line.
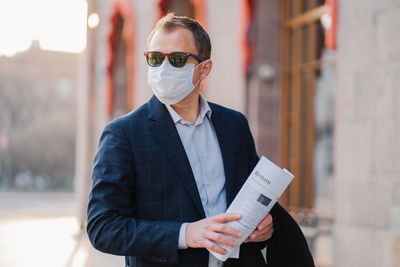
(182,237)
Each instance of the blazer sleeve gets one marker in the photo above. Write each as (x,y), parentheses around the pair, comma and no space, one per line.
(112,226)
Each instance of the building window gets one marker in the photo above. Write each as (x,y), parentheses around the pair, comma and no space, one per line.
(307,105)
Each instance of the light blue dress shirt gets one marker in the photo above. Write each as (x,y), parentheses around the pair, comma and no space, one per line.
(202,149)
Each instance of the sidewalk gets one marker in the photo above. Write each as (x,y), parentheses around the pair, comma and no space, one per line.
(40,230)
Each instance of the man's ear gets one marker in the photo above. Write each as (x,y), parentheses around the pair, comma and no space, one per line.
(205,69)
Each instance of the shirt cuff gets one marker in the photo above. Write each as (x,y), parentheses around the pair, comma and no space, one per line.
(182,237)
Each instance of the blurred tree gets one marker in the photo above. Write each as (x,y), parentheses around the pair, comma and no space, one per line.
(37,117)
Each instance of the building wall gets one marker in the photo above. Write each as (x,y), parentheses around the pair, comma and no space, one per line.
(226,85)
(263,106)
(145,16)
(367,149)
(99,50)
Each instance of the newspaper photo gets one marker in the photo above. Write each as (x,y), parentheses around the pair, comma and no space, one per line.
(255,199)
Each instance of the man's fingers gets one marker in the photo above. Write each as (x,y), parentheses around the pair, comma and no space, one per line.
(265,222)
(227,217)
(258,236)
(264,237)
(223,228)
(220,239)
(214,247)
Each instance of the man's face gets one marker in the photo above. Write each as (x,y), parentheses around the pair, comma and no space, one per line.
(179,40)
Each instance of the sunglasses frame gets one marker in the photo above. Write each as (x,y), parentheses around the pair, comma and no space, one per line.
(187,55)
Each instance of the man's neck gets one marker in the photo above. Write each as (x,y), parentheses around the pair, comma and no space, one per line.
(189,107)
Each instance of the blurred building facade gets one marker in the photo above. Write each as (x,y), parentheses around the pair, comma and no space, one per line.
(37,119)
(318,81)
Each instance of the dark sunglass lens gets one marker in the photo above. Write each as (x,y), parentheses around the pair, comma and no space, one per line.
(155,59)
(178,59)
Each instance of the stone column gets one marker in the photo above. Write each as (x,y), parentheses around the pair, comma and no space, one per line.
(367,130)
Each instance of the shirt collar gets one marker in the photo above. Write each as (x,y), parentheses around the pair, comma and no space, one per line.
(204,110)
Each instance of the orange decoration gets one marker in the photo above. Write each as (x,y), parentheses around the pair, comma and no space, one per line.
(200,12)
(330,34)
(247,21)
(162,8)
(121,9)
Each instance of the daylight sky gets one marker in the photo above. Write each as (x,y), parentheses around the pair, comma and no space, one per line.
(58,24)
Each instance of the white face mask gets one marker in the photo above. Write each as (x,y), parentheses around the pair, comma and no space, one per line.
(171,84)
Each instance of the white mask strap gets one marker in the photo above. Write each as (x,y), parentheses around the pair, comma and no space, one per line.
(199,78)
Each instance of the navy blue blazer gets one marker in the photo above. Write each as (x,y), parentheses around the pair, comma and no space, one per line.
(143,189)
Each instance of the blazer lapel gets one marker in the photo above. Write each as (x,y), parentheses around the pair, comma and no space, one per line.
(222,130)
(164,130)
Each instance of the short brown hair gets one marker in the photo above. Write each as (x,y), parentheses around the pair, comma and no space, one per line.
(170,22)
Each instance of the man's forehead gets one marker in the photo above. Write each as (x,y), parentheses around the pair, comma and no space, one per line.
(175,39)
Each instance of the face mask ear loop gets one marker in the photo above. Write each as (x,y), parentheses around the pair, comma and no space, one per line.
(198,65)
(196,84)
(199,78)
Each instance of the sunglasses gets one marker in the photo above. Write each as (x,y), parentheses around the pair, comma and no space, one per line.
(177,59)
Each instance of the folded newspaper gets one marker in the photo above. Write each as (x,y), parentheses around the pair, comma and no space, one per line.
(255,199)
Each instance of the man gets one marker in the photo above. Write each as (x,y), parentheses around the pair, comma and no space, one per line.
(165,173)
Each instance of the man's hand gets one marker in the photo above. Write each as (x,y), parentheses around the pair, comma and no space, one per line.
(263,231)
(201,234)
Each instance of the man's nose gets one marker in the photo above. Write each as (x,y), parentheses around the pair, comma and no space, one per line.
(166,57)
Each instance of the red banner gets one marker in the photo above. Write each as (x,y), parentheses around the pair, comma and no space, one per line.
(330,33)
